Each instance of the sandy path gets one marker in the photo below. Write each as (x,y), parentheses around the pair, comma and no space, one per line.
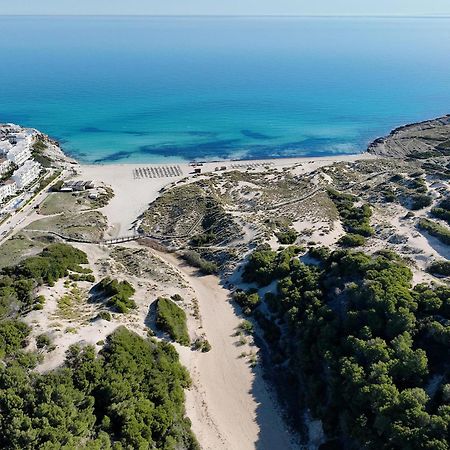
(230,406)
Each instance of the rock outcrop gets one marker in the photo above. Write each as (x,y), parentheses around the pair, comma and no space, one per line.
(417,141)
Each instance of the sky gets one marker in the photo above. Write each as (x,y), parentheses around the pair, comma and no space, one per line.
(227,7)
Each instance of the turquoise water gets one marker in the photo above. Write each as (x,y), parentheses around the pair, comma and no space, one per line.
(167,89)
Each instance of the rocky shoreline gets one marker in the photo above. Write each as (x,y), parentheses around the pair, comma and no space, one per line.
(430,138)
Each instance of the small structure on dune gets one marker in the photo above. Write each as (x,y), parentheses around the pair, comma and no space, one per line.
(71,186)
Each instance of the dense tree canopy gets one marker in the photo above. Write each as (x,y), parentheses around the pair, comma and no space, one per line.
(367,352)
(129,397)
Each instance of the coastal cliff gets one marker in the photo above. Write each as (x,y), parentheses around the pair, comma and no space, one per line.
(422,140)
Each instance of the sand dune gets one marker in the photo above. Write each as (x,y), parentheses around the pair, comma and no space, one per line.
(132,196)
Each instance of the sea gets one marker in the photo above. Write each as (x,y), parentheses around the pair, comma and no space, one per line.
(172,89)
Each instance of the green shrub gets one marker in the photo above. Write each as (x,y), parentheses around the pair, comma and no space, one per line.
(203,240)
(355,220)
(287,237)
(206,347)
(319,253)
(420,201)
(172,319)
(436,230)
(119,294)
(12,336)
(442,210)
(270,329)
(396,178)
(439,268)
(246,327)
(352,240)
(418,184)
(248,301)
(195,260)
(202,344)
(104,315)
(50,265)
(264,264)
(39,301)
(441,213)
(76,277)
(389,196)
(43,340)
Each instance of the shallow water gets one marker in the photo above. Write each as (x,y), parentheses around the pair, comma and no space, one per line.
(123,89)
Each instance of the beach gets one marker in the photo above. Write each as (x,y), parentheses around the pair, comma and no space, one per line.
(132,196)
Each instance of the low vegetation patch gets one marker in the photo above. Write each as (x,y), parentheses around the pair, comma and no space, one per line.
(355,220)
(194,259)
(442,210)
(439,268)
(245,327)
(70,305)
(435,229)
(85,226)
(104,315)
(43,341)
(248,301)
(352,240)
(420,201)
(118,293)
(171,319)
(287,237)
(202,345)
(203,240)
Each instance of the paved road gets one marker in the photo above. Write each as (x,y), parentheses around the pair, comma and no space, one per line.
(22,218)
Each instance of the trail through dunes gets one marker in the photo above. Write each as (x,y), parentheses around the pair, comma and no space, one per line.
(229,405)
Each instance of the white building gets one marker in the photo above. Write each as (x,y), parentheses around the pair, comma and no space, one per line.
(5,166)
(5,147)
(7,189)
(27,173)
(20,152)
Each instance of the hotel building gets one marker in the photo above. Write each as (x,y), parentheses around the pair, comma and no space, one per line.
(26,174)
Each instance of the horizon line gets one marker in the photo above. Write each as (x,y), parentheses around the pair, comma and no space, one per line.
(375,16)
